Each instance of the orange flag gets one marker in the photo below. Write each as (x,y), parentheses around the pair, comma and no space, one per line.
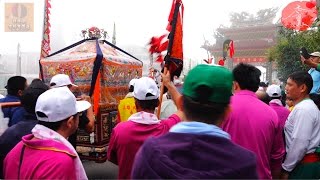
(174,57)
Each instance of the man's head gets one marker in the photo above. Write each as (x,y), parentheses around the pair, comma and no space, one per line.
(315,57)
(299,85)
(246,77)
(16,85)
(206,93)
(263,86)
(131,85)
(146,94)
(289,102)
(61,80)
(30,95)
(274,91)
(263,96)
(58,110)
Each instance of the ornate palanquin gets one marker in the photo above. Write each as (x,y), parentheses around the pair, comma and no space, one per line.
(116,70)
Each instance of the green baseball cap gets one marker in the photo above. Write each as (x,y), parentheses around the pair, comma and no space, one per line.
(208,83)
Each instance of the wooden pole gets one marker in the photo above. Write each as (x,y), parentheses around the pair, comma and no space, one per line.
(10,104)
(161,94)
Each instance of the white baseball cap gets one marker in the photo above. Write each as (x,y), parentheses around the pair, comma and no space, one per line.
(132,82)
(274,91)
(58,104)
(143,86)
(316,54)
(60,80)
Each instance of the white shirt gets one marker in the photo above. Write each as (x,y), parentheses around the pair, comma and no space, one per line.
(302,133)
(167,109)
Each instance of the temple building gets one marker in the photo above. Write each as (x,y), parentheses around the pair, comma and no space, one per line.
(252,37)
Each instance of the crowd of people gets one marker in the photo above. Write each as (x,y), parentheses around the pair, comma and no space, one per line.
(221,125)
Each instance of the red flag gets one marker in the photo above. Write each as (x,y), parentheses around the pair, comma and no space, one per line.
(174,55)
(158,44)
(231,49)
(45,45)
(177,49)
(227,46)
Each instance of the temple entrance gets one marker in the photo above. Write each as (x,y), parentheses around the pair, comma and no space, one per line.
(252,35)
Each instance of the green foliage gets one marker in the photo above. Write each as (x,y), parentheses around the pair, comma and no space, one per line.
(286,52)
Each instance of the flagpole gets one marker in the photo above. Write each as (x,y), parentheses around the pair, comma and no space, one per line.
(161,94)
(171,40)
(114,34)
(18,67)
(44,51)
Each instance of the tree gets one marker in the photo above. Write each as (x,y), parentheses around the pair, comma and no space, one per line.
(286,52)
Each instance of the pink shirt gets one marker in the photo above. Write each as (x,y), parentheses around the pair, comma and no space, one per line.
(255,126)
(127,137)
(281,111)
(42,159)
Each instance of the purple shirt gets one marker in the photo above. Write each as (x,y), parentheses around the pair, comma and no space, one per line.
(254,125)
(193,156)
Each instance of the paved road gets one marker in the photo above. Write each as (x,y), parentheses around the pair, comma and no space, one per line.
(106,170)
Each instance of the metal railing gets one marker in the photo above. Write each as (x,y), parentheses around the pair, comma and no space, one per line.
(16,104)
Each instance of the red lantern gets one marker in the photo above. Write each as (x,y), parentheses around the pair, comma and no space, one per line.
(311,4)
(299,15)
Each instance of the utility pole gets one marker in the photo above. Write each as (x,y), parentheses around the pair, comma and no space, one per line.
(18,70)
(114,41)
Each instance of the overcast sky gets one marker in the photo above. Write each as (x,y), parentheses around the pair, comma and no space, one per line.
(136,21)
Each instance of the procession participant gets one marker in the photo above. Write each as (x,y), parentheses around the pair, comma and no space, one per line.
(127,106)
(289,104)
(302,131)
(274,92)
(15,87)
(12,136)
(197,148)
(167,106)
(263,96)
(128,136)
(46,153)
(86,118)
(253,124)
(314,63)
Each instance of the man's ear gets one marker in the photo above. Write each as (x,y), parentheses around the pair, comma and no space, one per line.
(303,88)
(236,86)
(70,122)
